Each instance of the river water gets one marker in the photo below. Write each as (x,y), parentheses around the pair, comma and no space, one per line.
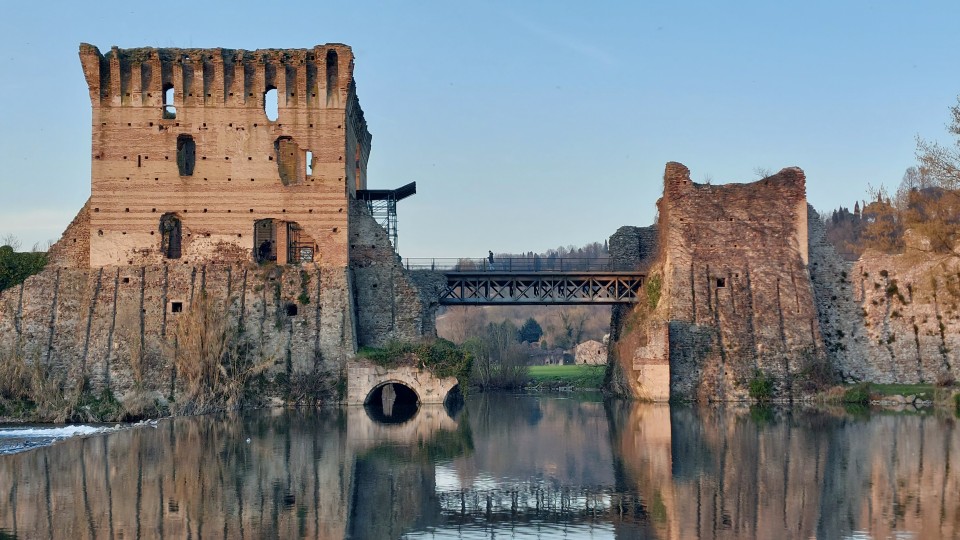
(503,466)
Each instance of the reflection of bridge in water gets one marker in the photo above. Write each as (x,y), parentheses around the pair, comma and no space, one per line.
(534,280)
(527,502)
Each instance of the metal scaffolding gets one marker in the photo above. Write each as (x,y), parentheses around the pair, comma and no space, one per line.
(382,204)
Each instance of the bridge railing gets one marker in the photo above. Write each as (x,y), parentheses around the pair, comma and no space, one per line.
(518,264)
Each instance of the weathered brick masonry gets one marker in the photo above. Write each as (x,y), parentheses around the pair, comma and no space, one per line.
(212,158)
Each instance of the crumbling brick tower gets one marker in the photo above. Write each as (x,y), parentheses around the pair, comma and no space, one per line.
(188,164)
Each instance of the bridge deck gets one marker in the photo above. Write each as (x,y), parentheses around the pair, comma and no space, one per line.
(541,288)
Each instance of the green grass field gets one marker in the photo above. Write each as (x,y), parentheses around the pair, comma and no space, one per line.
(578,376)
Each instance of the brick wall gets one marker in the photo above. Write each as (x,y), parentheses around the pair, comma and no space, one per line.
(219,100)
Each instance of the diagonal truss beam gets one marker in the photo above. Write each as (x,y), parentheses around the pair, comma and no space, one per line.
(541,288)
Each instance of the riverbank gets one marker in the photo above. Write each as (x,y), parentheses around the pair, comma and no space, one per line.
(578,377)
(895,396)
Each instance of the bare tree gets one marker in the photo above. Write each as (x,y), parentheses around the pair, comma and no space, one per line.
(942,162)
(10,240)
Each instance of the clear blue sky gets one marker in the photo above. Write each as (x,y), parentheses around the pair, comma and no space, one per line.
(527,125)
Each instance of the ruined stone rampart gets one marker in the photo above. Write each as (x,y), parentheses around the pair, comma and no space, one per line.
(199,192)
(98,324)
(732,292)
(390,304)
(887,318)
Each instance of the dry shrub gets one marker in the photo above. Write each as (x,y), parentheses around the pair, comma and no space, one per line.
(211,359)
(945,379)
(310,388)
(28,388)
(834,394)
(16,377)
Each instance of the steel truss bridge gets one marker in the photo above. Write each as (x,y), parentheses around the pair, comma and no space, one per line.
(532,281)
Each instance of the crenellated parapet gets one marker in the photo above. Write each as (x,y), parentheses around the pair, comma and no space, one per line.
(321,77)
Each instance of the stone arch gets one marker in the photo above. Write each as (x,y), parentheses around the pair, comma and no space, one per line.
(392,402)
(379,386)
(364,377)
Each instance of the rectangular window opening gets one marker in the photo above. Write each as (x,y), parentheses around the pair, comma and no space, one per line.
(186,154)
(721,282)
(176,307)
(309,162)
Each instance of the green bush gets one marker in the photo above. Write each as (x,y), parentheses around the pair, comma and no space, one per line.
(441,357)
(16,267)
(858,393)
(761,387)
(956,404)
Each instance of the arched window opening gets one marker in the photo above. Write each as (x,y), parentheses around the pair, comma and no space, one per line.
(169,110)
(171,236)
(392,403)
(265,241)
(271,104)
(333,93)
(186,154)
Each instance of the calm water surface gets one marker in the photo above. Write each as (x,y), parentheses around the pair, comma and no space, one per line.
(504,466)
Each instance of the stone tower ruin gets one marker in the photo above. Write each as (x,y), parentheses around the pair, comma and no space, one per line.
(222,155)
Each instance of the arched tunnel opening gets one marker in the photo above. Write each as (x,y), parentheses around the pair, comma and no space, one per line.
(453,402)
(392,403)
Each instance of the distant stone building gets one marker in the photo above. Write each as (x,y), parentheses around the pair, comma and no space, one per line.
(591,352)
(546,357)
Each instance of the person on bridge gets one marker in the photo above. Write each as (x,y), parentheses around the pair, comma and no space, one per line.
(490,258)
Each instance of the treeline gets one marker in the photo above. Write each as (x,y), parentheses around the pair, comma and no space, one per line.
(562,327)
(922,207)
(922,215)
(593,250)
